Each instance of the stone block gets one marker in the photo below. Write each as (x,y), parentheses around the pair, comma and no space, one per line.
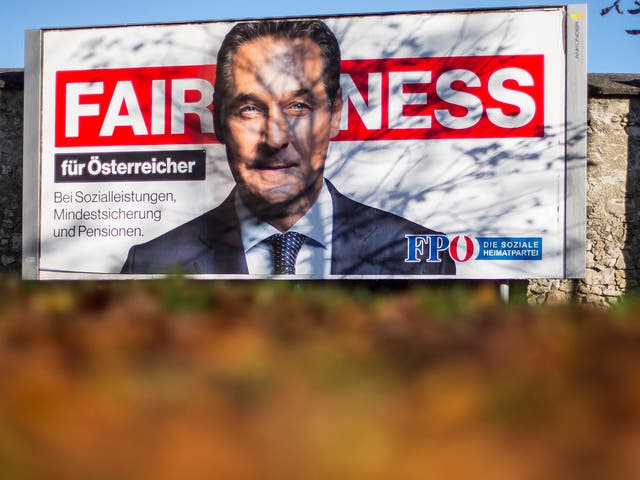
(557,298)
(567,286)
(612,292)
(7,259)
(615,206)
(593,277)
(533,300)
(595,299)
(582,288)
(536,288)
(608,277)
(16,242)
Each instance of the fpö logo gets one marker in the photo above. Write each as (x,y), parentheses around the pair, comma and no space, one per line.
(465,248)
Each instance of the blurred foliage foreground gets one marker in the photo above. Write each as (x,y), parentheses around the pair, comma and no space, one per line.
(273,380)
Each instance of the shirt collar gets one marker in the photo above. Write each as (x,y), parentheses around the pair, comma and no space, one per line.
(316,224)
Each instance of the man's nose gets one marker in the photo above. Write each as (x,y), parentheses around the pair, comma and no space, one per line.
(276,133)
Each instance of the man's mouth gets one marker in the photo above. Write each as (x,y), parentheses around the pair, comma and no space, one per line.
(272,164)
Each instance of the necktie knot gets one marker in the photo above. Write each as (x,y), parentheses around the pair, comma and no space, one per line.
(285,248)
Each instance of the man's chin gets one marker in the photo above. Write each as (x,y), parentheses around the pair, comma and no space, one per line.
(280,200)
(278,197)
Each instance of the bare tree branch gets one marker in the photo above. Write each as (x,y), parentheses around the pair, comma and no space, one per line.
(618,9)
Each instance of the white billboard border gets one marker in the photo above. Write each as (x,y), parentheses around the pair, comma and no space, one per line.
(575,147)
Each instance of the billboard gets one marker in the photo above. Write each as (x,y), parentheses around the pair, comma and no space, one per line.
(402,145)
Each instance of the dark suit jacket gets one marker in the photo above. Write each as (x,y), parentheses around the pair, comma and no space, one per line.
(366,241)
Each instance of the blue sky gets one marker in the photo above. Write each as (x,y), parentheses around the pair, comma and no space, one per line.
(610,49)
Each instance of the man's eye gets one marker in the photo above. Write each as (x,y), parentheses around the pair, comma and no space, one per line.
(248,110)
(299,107)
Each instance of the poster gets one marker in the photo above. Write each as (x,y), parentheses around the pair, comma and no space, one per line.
(452,149)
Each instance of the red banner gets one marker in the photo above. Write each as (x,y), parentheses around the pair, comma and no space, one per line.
(135,106)
(449,97)
(385,99)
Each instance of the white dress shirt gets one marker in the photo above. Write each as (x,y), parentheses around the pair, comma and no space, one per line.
(314,259)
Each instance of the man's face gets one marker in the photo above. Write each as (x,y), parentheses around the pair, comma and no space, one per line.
(279,122)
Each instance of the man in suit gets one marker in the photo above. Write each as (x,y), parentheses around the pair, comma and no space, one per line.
(277,104)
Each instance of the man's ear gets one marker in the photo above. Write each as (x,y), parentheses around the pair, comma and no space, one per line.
(336,112)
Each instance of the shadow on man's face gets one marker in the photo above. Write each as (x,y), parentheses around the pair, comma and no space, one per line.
(278,126)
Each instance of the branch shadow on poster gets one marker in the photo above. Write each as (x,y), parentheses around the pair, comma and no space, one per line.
(423,145)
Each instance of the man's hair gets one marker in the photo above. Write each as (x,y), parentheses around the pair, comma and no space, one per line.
(245,32)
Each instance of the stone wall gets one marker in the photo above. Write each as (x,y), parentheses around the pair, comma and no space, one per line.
(613,191)
(11,96)
(613,198)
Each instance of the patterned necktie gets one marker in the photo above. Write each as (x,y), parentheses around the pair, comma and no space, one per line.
(285,248)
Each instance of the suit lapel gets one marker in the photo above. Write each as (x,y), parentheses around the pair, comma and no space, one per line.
(353,233)
(221,235)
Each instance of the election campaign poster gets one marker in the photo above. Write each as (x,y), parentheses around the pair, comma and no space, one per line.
(426,145)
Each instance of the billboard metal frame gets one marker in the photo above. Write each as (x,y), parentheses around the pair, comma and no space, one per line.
(31,155)
(576,140)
